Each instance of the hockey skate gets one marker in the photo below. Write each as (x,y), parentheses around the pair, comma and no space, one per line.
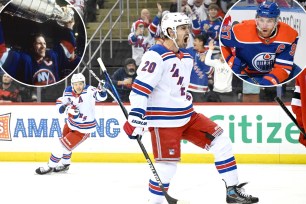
(236,194)
(61,168)
(44,170)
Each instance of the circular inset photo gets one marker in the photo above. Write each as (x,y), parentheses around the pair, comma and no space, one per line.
(42,41)
(263,41)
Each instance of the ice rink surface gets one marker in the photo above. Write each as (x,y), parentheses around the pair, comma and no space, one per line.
(113,183)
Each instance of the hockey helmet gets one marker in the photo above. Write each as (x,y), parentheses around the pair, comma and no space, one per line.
(268,10)
(77,77)
(172,20)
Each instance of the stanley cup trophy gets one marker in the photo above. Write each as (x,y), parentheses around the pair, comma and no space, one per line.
(40,10)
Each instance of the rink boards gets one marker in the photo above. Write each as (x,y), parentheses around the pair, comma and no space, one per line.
(260,134)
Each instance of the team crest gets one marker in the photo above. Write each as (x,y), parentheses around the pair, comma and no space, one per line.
(5,133)
(264,61)
(43,77)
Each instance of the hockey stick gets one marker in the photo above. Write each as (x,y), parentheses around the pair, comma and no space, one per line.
(169,199)
(254,80)
(280,102)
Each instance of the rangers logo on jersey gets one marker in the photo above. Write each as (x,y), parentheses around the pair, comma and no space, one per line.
(264,61)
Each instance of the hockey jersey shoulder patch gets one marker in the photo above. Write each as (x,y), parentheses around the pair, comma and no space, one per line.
(246,32)
(286,34)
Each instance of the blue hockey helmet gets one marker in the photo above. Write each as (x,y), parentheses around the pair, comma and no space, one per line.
(268,10)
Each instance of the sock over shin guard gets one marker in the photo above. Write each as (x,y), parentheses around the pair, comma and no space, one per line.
(166,171)
(224,159)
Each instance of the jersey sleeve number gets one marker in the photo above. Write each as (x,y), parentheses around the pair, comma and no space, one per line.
(149,66)
(226,32)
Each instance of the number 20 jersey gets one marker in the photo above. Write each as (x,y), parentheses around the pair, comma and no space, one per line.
(159,91)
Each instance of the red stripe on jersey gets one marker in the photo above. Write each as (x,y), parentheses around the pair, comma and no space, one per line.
(169,113)
(141,88)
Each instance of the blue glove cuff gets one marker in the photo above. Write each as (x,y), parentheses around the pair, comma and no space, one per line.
(62,109)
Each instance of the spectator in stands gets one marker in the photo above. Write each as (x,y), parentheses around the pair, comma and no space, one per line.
(123,79)
(223,75)
(220,12)
(79,6)
(8,91)
(140,40)
(200,72)
(211,27)
(91,10)
(198,8)
(173,6)
(154,27)
(145,16)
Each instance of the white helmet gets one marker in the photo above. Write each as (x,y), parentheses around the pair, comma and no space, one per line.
(77,77)
(172,20)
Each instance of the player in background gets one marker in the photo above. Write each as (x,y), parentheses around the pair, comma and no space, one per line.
(298,103)
(78,101)
(160,101)
(264,47)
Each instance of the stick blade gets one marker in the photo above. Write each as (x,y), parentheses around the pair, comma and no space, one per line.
(101,64)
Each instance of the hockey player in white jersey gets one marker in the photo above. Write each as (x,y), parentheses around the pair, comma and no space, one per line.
(160,101)
(78,101)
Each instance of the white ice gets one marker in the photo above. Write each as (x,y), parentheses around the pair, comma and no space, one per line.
(113,183)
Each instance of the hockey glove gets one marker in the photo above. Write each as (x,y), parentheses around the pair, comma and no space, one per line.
(101,89)
(73,112)
(62,109)
(302,139)
(268,80)
(131,131)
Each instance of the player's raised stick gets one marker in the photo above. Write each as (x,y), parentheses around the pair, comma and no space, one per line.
(280,102)
(169,199)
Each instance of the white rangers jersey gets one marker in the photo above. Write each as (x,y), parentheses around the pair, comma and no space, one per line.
(85,103)
(159,92)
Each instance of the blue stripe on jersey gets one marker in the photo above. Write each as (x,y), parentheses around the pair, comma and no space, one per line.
(161,113)
(141,88)
(169,57)
(168,109)
(138,112)
(143,84)
(168,117)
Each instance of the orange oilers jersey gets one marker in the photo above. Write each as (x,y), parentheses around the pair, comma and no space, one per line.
(298,102)
(270,57)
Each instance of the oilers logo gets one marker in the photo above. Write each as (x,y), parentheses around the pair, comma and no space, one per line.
(43,77)
(264,61)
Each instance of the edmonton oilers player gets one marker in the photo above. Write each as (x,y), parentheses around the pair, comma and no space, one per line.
(264,47)
(78,101)
(160,101)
